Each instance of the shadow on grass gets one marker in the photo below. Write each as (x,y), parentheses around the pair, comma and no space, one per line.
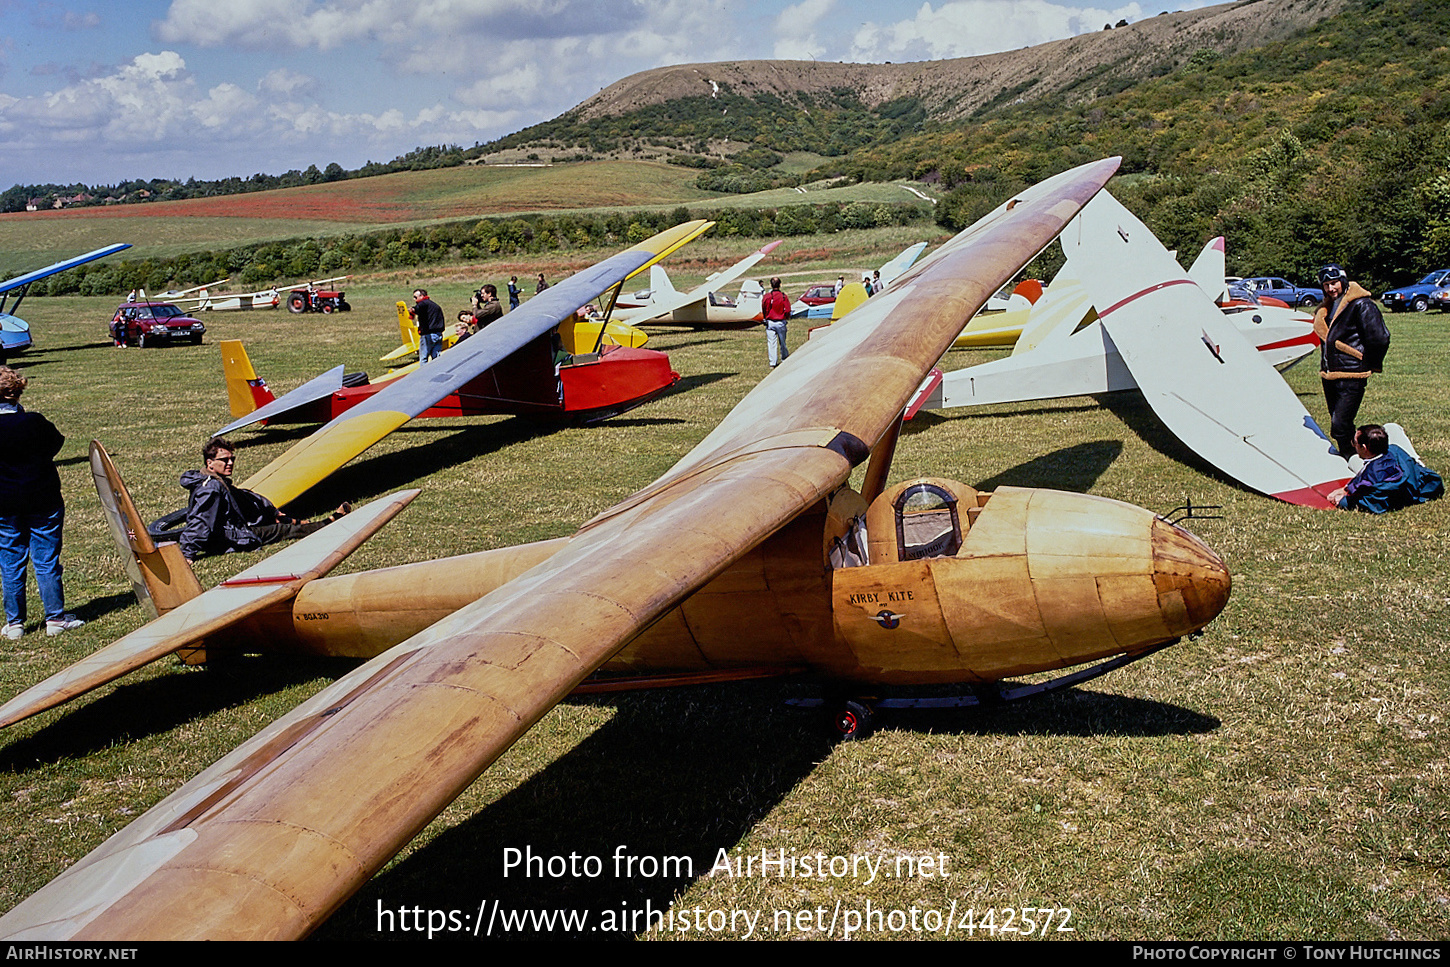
(681,774)
(688,383)
(136,710)
(1074,468)
(1072,712)
(673,346)
(1139,417)
(97,608)
(70,349)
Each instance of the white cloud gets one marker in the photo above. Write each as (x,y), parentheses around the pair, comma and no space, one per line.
(252,24)
(286,83)
(956,28)
(795,30)
(149,117)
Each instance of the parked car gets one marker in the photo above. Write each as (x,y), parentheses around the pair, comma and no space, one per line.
(154,324)
(1276,287)
(1416,298)
(1440,298)
(820,294)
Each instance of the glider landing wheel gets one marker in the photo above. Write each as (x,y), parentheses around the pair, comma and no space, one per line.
(853,721)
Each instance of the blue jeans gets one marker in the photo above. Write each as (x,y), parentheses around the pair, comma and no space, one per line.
(32,538)
(430,344)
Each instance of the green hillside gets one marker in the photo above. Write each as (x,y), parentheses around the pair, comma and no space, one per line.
(1330,147)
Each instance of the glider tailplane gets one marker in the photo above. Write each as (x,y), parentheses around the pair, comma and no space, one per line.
(160,575)
(246,391)
(206,617)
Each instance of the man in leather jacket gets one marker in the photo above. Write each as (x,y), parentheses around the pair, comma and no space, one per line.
(1355,341)
(222,517)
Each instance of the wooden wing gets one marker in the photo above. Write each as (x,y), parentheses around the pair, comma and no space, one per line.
(314,458)
(271,839)
(260,586)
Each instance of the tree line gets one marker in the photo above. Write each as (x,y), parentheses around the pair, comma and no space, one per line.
(261,264)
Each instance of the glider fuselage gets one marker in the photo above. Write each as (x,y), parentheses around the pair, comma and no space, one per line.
(591,386)
(994,586)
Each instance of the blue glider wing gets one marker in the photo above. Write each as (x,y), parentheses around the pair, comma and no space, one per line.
(21,281)
(313,459)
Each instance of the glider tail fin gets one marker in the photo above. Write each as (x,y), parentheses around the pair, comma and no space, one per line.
(851,296)
(407,331)
(160,575)
(659,282)
(246,391)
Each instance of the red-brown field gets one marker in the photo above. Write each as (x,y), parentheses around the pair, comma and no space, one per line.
(416,196)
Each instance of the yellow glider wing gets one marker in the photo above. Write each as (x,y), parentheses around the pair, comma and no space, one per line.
(313,459)
(271,839)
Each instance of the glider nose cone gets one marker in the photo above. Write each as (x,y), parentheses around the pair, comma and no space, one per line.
(1191,580)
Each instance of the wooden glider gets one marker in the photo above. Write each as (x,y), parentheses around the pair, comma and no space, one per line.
(361,426)
(271,839)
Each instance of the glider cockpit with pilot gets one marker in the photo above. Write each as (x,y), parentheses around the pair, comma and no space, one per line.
(14,331)
(924,581)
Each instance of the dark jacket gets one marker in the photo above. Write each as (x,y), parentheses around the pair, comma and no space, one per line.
(1390,481)
(29,483)
(1355,337)
(487,311)
(430,316)
(220,516)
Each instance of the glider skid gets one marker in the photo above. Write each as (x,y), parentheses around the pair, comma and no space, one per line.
(854,718)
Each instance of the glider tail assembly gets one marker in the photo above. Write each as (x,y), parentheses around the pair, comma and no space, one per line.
(246,390)
(161,577)
(407,332)
(186,615)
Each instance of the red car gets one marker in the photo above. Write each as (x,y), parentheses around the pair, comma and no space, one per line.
(820,294)
(154,324)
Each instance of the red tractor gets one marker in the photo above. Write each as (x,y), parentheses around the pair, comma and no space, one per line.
(312,298)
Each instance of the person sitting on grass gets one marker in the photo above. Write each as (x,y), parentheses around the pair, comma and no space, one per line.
(222,517)
(1391,478)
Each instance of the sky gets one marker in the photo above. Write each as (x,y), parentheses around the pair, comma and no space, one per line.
(100,91)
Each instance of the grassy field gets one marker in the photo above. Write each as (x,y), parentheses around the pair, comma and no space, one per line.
(1282,776)
(29,240)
